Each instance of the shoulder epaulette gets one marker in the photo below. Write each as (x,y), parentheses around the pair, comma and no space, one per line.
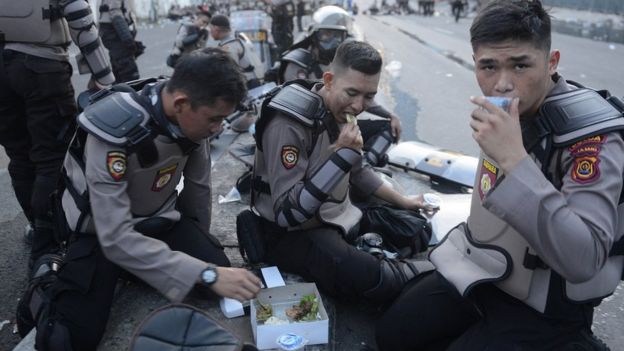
(298,102)
(117,118)
(577,114)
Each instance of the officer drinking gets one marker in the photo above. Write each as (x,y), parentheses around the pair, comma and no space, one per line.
(533,260)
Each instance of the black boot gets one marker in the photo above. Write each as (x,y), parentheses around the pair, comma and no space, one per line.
(33,301)
(394,274)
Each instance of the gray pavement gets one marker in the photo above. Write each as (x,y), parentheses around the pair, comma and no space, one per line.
(351,323)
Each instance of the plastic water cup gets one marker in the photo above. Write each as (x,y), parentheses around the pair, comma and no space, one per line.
(500,101)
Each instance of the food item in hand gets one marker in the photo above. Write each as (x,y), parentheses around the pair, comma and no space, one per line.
(351,118)
(306,310)
(263,311)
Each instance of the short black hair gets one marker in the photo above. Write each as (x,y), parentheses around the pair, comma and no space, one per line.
(357,55)
(519,20)
(220,21)
(207,75)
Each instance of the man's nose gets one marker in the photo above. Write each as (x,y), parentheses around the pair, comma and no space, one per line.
(358,104)
(504,83)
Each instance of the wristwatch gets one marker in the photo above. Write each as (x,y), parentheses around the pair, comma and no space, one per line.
(208,276)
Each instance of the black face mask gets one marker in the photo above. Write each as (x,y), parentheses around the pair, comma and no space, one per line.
(327,50)
(327,46)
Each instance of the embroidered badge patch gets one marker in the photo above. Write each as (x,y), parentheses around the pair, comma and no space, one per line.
(290,156)
(586,162)
(585,169)
(163,177)
(116,164)
(487,178)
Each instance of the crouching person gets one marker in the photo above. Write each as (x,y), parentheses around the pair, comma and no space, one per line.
(123,211)
(308,158)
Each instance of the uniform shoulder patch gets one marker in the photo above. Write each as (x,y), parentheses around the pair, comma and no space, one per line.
(586,167)
(290,156)
(116,164)
(487,178)
(163,177)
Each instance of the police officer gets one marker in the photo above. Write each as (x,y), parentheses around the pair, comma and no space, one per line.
(533,260)
(282,12)
(37,99)
(115,19)
(191,36)
(307,158)
(310,57)
(243,54)
(123,210)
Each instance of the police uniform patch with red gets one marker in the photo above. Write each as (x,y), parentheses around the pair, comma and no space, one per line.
(163,177)
(586,161)
(116,164)
(290,156)
(487,178)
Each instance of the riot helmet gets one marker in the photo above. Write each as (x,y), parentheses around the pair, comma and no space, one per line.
(327,41)
(331,26)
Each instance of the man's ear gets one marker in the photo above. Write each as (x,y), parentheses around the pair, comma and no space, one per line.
(180,102)
(328,79)
(553,62)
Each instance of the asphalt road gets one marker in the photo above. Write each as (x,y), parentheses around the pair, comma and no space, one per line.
(429,92)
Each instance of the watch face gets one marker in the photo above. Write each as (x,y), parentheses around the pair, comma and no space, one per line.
(209,276)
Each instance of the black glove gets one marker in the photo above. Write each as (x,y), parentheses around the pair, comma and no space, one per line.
(140,48)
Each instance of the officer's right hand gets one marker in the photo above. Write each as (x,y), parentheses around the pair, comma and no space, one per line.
(236,283)
(94,85)
(350,136)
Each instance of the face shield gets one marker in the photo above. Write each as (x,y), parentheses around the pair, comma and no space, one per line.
(327,41)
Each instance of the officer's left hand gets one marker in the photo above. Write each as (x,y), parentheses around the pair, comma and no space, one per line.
(498,133)
(395,126)
(415,202)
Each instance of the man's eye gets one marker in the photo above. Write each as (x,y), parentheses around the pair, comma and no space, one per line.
(521,66)
(351,93)
(487,68)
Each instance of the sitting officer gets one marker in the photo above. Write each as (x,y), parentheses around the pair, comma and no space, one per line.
(191,36)
(307,159)
(123,210)
(310,57)
(537,252)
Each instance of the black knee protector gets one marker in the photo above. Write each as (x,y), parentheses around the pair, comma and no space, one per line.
(393,275)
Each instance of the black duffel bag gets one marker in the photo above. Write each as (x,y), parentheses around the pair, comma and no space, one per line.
(401,229)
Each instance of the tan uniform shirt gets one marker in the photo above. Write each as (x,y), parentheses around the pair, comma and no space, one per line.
(122,193)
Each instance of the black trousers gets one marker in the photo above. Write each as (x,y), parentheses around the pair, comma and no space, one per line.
(83,295)
(37,112)
(431,315)
(323,256)
(122,58)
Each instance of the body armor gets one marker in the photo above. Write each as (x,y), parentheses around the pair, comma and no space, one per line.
(325,198)
(488,249)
